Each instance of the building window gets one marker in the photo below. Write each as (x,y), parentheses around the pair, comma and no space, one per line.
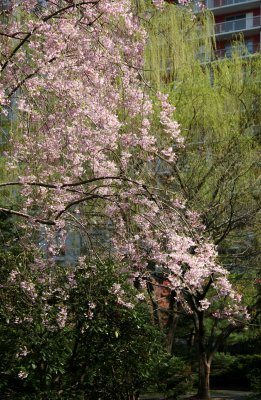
(228,50)
(5,5)
(235,22)
(250,46)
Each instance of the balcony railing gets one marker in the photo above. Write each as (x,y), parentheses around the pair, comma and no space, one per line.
(244,52)
(223,3)
(238,25)
(247,50)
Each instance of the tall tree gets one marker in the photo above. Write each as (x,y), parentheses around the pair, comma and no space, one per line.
(85,145)
(217,105)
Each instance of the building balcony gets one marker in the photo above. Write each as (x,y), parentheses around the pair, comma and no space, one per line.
(250,49)
(248,26)
(219,7)
(246,51)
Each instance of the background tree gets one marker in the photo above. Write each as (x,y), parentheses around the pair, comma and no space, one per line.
(217,105)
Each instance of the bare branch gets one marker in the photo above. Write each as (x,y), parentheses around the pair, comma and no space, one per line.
(27,216)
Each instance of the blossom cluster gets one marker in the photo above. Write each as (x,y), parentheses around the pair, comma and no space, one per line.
(85,147)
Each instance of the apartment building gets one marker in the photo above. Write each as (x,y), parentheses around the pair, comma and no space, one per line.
(235,17)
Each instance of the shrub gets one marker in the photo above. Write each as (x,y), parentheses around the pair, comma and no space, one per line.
(172,375)
(241,371)
(72,331)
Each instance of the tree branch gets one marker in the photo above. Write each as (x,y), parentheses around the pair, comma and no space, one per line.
(44,19)
(27,216)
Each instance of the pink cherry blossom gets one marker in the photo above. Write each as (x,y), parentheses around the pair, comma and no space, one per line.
(85,149)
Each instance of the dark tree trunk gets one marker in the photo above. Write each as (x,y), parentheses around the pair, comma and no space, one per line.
(204,374)
(155,307)
(204,359)
(172,323)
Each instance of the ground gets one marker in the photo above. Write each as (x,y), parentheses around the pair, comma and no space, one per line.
(216,395)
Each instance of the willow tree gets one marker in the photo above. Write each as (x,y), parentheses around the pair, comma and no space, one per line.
(217,105)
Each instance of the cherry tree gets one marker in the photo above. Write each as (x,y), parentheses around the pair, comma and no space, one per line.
(82,139)
(84,143)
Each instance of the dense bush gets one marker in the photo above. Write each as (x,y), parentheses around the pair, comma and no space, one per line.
(255,380)
(70,332)
(172,375)
(67,329)
(237,371)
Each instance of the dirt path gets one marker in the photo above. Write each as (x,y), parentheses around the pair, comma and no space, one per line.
(230,395)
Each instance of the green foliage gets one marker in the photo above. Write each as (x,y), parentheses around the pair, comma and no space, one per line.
(172,375)
(255,380)
(63,334)
(176,37)
(9,234)
(116,348)
(218,106)
(237,371)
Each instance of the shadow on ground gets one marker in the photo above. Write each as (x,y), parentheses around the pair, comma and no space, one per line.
(215,395)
